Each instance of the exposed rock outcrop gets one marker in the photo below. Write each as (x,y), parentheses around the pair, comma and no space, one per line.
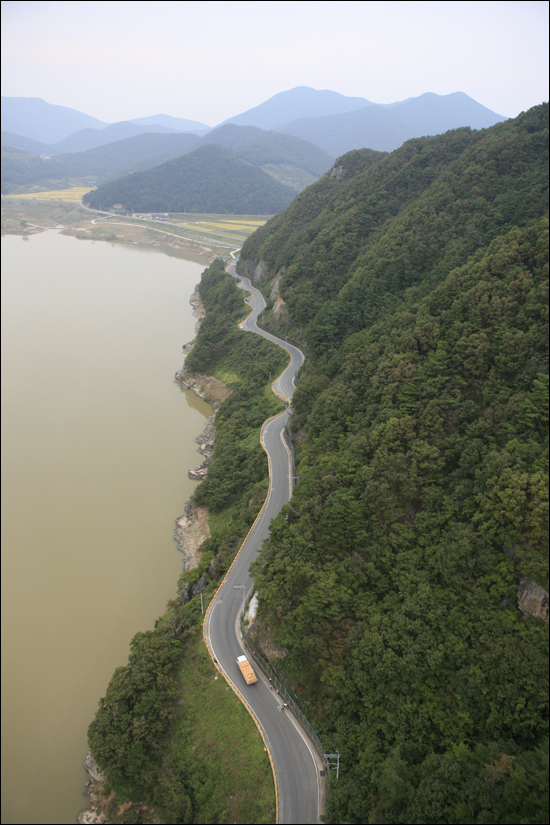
(261,273)
(92,815)
(92,769)
(263,638)
(252,609)
(198,308)
(205,386)
(533,600)
(191,531)
(279,307)
(185,593)
(275,292)
(206,447)
(280,310)
(337,172)
(200,586)
(188,591)
(199,472)
(258,273)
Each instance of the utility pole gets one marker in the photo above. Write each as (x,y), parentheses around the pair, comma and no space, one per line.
(333,760)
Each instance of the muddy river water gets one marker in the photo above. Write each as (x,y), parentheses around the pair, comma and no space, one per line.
(96,444)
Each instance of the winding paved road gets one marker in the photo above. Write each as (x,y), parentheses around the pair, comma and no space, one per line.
(296,763)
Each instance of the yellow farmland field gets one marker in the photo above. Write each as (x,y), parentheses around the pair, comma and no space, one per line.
(229,227)
(243,223)
(74,194)
(195,226)
(248,223)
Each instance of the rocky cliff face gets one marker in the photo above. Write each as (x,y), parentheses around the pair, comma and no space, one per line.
(275,292)
(92,815)
(258,273)
(206,448)
(279,307)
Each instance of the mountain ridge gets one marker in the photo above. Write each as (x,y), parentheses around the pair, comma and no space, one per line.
(34,118)
(386,127)
(267,115)
(296,109)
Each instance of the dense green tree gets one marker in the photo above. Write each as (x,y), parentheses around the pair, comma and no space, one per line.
(126,736)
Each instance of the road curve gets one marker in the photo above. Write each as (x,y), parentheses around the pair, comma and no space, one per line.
(296,763)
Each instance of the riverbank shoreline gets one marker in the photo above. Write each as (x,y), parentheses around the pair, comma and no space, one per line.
(192,526)
(204,386)
(104,805)
(23,217)
(191,530)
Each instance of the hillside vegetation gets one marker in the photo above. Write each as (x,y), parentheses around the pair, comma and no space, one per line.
(288,159)
(22,170)
(417,281)
(210,179)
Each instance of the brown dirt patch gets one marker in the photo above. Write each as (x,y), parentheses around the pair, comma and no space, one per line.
(214,391)
(190,533)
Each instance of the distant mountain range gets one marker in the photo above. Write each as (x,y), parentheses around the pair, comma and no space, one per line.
(386,128)
(334,122)
(179,124)
(47,123)
(32,117)
(301,102)
(293,137)
(88,138)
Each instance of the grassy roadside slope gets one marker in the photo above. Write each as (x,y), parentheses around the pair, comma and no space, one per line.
(209,764)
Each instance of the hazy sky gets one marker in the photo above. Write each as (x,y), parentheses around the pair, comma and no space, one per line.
(208,61)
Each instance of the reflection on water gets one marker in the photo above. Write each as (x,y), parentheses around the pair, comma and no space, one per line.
(97,440)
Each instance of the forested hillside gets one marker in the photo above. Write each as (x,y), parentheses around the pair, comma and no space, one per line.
(21,169)
(210,179)
(417,282)
(290,160)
